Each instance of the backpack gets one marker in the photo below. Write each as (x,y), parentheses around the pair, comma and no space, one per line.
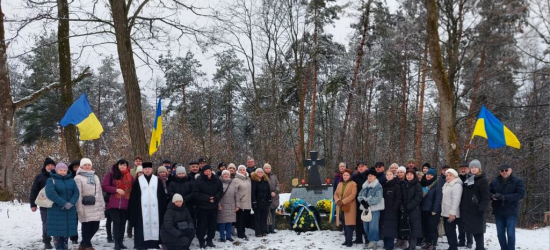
(42,200)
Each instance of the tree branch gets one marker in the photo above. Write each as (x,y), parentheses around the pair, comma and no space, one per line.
(133,19)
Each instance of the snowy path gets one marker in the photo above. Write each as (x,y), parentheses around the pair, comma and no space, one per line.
(22,230)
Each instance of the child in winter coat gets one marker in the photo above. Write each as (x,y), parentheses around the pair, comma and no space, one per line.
(178,230)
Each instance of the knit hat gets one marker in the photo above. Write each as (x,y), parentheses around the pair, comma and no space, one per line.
(226,172)
(402,169)
(139,169)
(411,160)
(177,197)
(222,165)
(48,161)
(426,165)
(475,163)
(432,172)
(452,171)
(180,170)
(241,166)
(231,165)
(162,169)
(85,161)
(206,167)
(445,166)
(147,164)
(61,165)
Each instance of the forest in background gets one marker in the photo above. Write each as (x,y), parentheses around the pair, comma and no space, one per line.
(408,84)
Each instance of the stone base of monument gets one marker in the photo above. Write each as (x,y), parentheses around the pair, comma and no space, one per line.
(312,194)
(283,223)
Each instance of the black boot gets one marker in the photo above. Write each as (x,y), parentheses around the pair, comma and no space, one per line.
(210,244)
(48,245)
(117,246)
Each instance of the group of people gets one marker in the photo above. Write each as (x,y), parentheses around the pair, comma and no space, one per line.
(405,204)
(167,207)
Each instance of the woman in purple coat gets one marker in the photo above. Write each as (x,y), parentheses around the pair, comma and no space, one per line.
(118,185)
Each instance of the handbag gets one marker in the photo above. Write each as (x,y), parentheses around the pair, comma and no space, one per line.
(441,228)
(42,200)
(366,215)
(475,200)
(89,200)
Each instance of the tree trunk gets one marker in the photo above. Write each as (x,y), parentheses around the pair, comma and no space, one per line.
(64,50)
(311,134)
(301,122)
(131,84)
(7,110)
(444,87)
(365,25)
(418,148)
(403,111)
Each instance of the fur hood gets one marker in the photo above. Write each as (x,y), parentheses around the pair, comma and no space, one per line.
(241,176)
(371,185)
(254,177)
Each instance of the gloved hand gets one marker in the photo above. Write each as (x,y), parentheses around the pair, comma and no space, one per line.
(68,206)
(365,204)
(497,196)
(339,203)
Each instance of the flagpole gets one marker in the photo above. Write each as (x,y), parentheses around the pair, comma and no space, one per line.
(468,150)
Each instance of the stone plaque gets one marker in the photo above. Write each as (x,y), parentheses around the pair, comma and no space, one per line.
(295,182)
(312,195)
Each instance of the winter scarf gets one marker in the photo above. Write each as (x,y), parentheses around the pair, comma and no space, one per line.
(427,184)
(89,174)
(470,181)
(163,180)
(344,184)
(125,183)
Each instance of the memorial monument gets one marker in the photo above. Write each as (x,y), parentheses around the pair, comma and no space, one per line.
(313,191)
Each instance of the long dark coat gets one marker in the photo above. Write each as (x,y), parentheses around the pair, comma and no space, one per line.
(392,204)
(182,186)
(60,190)
(261,192)
(412,199)
(204,188)
(171,235)
(474,216)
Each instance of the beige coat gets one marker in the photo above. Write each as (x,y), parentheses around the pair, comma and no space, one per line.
(243,188)
(226,207)
(275,187)
(89,213)
(350,193)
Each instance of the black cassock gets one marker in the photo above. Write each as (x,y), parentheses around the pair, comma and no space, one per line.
(135,217)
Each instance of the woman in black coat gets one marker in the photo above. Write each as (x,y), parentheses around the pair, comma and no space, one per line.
(261,200)
(412,199)
(181,184)
(474,202)
(390,215)
(177,230)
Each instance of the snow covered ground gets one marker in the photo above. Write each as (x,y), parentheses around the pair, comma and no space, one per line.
(21,229)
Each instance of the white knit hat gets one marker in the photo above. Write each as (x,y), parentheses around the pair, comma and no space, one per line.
(177,197)
(85,161)
(452,171)
(402,169)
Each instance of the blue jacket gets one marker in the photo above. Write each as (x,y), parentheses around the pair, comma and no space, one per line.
(62,222)
(432,199)
(512,190)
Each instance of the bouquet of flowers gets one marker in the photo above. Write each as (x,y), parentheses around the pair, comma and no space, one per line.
(293,204)
(324,206)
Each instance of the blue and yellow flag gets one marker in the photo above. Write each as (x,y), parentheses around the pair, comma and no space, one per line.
(490,128)
(157,131)
(80,114)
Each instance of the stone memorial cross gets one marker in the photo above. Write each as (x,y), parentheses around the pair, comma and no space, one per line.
(314,163)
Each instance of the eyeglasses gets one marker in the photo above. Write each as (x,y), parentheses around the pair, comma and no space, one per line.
(503,170)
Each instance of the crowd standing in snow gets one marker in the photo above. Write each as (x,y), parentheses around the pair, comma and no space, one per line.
(406,207)
(171,207)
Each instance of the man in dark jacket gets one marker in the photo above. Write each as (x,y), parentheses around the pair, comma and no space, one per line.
(37,185)
(359,178)
(250,165)
(464,238)
(380,172)
(193,170)
(207,193)
(506,191)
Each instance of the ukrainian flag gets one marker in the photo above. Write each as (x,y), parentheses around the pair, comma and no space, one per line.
(80,114)
(490,128)
(157,130)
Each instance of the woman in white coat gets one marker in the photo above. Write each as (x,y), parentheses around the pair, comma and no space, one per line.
(450,206)
(90,210)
